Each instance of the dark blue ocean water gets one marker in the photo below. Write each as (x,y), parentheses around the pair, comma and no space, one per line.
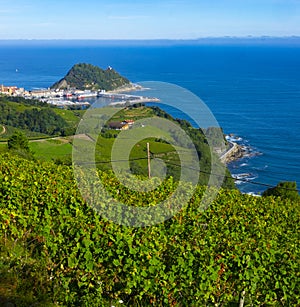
(253,91)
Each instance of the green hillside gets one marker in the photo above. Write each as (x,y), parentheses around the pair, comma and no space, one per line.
(56,251)
(39,120)
(89,77)
(158,147)
(35,118)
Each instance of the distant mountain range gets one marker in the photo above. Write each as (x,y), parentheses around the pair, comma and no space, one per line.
(89,77)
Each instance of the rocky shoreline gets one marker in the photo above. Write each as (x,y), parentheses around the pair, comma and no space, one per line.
(234,153)
(237,150)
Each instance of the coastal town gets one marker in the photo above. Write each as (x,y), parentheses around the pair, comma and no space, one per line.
(65,98)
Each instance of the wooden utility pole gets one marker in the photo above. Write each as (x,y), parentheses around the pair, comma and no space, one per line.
(149,165)
(242,299)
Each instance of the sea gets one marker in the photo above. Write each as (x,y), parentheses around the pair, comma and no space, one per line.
(253,90)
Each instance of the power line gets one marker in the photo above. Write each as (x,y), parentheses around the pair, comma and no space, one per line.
(108,161)
(191,168)
(235,179)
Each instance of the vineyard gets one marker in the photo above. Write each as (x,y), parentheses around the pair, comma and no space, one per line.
(56,251)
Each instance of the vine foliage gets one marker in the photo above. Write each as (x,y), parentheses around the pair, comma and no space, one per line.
(55,250)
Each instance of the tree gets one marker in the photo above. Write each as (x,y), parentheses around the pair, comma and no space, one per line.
(285,189)
(18,141)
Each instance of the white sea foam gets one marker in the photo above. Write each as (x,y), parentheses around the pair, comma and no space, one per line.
(253,194)
(243,178)
(233,138)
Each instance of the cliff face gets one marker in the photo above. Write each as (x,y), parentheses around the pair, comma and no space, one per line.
(89,77)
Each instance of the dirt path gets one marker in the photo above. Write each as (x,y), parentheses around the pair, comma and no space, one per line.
(62,139)
(83,137)
(3,130)
(67,139)
(59,138)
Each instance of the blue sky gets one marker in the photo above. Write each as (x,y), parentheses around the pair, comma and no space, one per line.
(147,19)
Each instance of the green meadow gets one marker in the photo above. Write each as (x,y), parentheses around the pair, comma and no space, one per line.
(51,149)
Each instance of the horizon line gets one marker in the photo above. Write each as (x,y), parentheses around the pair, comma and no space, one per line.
(154,39)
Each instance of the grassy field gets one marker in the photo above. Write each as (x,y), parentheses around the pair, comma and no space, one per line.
(137,150)
(133,113)
(51,149)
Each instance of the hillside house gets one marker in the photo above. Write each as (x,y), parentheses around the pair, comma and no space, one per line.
(119,125)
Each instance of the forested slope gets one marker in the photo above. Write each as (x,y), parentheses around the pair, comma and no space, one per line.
(35,116)
(89,77)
